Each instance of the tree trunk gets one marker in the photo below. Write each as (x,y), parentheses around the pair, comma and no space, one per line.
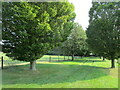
(81,57)
(33,65)
(64,58)
(112,63)
(73,57)
(58,57)
(50,59)
(103,59)
(2,62)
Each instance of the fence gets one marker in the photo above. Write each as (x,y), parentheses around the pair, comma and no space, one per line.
(52,58)
(6,61)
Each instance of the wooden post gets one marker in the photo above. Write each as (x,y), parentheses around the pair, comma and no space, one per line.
(2,62)
(50,59)
(58,57)
(64,58)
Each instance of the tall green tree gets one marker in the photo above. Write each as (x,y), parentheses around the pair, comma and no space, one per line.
(30,29)
(75,43)
(104,30)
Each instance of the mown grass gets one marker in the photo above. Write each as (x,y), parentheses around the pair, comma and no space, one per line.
(89,72)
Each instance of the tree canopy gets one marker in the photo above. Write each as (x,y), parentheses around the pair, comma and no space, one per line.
(104,30)
(75,43)
(30,29)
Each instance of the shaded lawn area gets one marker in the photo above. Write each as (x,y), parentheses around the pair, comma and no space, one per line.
(64,74)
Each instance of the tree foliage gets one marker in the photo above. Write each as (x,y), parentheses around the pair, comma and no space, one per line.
(30,29)
(104,29)
(75,43)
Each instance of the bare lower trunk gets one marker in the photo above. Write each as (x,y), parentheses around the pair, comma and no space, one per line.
(64,58)
(33,65)
(73,57)
(103,59)
(2,62)
(50,59)
(58,57)
(112,63)
(81,57)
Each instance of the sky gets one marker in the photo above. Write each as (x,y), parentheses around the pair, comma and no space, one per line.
(82,8)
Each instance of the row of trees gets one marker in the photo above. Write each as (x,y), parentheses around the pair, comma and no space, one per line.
(103,34)
(75,43)
(32,29)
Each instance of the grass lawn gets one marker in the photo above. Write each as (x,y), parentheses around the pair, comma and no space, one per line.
(89,72)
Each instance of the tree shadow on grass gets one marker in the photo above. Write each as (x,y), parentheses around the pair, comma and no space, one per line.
(50,74)
(89,61)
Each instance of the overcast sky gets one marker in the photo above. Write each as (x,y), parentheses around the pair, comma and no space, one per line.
(82,8)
